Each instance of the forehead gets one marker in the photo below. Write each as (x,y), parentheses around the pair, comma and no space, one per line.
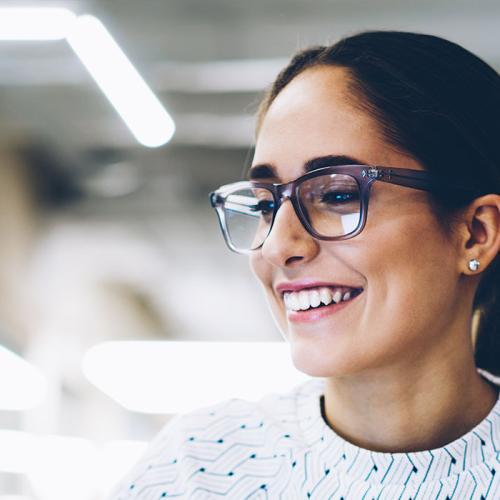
(315,115)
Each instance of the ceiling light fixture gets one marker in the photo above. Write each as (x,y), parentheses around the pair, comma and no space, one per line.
(120,82)
(106,62)
(32,23)
(29,388)
(177,376)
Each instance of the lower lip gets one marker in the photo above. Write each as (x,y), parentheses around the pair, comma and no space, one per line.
(312,315)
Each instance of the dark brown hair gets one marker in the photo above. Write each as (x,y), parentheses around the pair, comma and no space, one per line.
(439,103)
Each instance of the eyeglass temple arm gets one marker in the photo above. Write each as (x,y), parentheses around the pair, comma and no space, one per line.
(417,180)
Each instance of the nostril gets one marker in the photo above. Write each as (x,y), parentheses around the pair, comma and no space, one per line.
(292,259)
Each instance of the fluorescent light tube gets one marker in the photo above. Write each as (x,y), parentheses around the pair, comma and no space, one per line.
(52,464)
(177,376)
(32,23)
(23,386)
(15,497)
(129,94)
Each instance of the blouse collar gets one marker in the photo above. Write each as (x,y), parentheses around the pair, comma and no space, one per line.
(473,448)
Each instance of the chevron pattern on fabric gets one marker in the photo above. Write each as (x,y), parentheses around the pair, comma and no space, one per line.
(280,447)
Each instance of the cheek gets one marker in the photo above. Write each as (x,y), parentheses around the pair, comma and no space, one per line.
(258,268)
(409,271)
(262,270)
(411,277)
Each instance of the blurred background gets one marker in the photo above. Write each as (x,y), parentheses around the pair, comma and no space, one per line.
(120,305)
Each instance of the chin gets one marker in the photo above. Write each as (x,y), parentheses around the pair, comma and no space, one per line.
(319,361)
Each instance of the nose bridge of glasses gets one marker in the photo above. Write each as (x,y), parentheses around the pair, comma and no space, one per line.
(283,192)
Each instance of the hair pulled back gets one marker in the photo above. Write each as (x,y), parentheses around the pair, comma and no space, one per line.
(441,104)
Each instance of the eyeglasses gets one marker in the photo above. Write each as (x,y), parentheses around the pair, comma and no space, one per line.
(330,202)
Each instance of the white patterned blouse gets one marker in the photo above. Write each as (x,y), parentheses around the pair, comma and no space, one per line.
(280,447)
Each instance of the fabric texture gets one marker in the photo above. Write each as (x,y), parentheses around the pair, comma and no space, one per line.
(280,447)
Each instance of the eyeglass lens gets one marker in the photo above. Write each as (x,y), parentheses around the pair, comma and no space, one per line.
(330,204)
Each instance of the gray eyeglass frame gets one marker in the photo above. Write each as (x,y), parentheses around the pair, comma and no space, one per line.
(365,176)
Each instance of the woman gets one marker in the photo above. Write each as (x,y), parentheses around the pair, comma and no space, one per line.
(379,303)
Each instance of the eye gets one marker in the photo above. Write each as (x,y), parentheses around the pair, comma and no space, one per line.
(265,207)
(340,197)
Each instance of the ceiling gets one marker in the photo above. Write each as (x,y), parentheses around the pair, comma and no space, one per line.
(208,61)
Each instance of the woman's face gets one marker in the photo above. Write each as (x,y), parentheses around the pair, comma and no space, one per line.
(405,265)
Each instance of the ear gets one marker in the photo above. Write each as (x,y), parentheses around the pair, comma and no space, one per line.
(480,231)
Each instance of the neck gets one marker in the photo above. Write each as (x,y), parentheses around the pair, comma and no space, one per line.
(409,407)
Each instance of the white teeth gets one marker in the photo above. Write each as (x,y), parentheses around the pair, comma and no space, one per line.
(314,297)
(304,300)
(286,300)
(325,295)
(294,301)
(337,296)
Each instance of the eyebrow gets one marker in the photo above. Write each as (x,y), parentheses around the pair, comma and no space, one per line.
(268,171)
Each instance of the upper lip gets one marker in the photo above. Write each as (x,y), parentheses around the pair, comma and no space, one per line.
(295,286)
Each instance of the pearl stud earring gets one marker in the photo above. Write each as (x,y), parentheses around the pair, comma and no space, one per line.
(473,264)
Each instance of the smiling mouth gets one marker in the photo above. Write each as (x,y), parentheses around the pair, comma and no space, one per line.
(318,298)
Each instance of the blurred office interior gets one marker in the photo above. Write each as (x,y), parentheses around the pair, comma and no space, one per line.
(108,244)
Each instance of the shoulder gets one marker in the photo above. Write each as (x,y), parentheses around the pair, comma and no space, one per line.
(226,432)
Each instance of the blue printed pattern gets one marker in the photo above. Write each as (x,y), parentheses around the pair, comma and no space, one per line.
(280,447)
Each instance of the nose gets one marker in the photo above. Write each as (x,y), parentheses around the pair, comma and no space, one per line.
(288,243)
